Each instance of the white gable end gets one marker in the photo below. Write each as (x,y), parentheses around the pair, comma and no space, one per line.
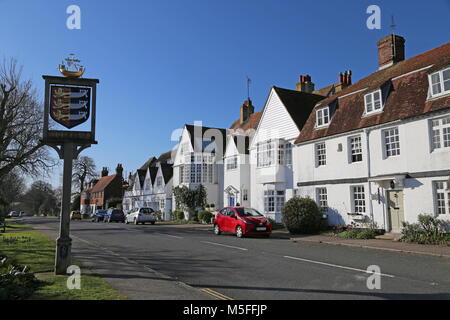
(276,122)
(231,148)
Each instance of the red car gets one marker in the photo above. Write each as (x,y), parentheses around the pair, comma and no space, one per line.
(242,221)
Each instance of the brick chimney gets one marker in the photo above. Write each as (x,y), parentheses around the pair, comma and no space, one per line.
(104,172)
(119,170)
(247,109)
(391,49)
(345,80)
(305,84)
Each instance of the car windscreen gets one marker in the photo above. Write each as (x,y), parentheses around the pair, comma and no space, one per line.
(117,212)
(248,212)
(146,210)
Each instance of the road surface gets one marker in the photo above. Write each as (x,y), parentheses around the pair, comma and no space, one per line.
(226,267)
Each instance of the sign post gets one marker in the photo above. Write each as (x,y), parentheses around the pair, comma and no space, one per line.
(69,101)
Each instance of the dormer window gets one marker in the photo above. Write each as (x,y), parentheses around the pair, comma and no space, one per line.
(373,102)
(440,82)
(322,117)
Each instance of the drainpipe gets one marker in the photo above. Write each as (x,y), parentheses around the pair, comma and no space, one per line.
(369,174)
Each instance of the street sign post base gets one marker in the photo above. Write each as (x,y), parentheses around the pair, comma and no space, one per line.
(63,255)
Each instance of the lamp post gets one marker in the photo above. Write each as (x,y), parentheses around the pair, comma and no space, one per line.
(69,102)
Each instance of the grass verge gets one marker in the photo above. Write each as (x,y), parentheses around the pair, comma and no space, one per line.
(37,251)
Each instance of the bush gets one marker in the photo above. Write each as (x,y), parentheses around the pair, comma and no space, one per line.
(428,230)
(178,215)
(204,216)
(349,234)
(302,216)
(367,234)
(15,282)
(194,217)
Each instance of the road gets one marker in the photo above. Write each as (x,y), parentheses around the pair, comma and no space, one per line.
(222,267)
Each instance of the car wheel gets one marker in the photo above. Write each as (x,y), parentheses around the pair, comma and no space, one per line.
(153,222)
(217,230)
(239,232)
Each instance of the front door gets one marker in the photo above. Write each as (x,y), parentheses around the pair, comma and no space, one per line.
(395,209)
(231,201)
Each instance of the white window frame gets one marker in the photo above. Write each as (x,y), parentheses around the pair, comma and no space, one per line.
(232,163)
(322,199)
(440,133)
(389,149)
(372,104)
(358,196)
(265,154)
(355,148)
(273,201)
(320,151)
(245,195)
(441,83)
(441,197)
(322,117)
(159,181)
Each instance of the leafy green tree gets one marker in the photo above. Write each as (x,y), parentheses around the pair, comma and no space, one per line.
(190,200)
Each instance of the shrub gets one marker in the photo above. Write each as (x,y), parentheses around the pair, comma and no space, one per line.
(204,216)
(349,234)
(367,234)
(301,216)
(428,230)
(15,282)
(178,215)
(194,217)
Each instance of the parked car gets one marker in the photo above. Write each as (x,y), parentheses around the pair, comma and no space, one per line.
(13,214)
(116,215)
(75,215)
(98,215)
(242,221)
(23,214)
(141,215)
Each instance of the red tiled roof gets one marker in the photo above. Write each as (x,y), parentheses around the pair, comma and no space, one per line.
(251,123)
(407,96)
(102,183)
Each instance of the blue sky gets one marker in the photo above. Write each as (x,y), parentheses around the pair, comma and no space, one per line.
(165,63)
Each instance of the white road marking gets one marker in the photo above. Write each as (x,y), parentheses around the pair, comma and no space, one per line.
(224,245)
(169,235)
(338,266)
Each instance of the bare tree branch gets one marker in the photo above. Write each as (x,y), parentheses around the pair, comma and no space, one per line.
(21,122)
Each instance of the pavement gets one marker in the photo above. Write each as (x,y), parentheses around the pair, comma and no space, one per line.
(442,251)
(187,262)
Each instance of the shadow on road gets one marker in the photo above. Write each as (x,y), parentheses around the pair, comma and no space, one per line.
(387,296)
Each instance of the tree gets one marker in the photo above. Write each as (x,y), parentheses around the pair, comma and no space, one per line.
(84,169)
(11,189)
(40,199)
(21,121)
(189,200)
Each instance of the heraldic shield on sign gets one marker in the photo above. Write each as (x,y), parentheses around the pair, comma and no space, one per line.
(70,106)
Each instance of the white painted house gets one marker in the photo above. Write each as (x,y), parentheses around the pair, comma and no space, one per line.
(271,170)
(151,186)
(198,159)
(237,157)
(379,150)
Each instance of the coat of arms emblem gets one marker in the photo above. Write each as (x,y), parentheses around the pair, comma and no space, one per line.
(70,106)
